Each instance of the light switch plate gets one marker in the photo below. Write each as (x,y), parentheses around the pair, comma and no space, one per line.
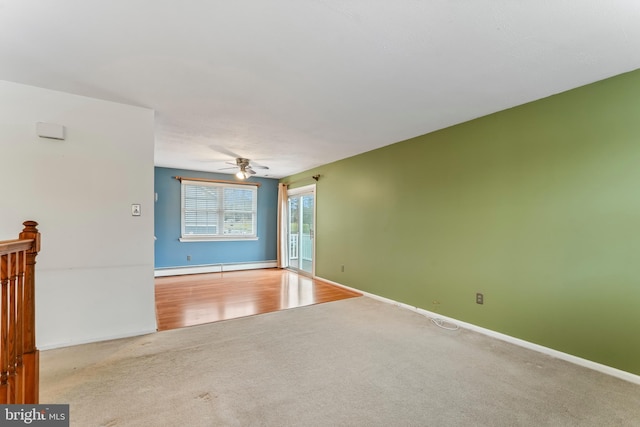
(135,209)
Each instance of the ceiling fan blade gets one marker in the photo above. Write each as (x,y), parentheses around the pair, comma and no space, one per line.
(251,171)
(235,167)
(259,167)
(222,150)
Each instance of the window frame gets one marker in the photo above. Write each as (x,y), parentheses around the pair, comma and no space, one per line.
(220,213)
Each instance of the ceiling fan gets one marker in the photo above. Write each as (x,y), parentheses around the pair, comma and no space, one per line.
(245,168)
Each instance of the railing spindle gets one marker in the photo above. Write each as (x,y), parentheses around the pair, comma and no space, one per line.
(4,342)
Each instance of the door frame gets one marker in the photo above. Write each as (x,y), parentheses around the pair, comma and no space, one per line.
(297,192)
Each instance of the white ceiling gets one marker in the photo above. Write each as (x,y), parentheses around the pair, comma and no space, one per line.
(293,84)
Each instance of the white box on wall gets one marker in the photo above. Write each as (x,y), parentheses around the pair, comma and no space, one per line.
(49,130)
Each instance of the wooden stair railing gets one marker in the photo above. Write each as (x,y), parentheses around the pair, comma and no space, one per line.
(19,357)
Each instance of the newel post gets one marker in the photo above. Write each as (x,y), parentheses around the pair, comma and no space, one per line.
(30,232)
(31,355)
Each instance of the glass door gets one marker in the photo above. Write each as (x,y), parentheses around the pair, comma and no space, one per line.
(302,230)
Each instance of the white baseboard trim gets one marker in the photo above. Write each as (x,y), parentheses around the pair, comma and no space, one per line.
(213,268)
(94,340)
(627,376)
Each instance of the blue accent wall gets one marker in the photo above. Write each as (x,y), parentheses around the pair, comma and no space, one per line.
(170,252)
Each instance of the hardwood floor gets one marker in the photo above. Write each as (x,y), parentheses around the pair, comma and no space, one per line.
(202,298)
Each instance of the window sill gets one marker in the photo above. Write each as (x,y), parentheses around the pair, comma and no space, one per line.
(216,239)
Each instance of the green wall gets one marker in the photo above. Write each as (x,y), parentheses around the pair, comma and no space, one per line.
(537,207)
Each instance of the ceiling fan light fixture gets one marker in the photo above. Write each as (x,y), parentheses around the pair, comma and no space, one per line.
(242,174)
(245,169)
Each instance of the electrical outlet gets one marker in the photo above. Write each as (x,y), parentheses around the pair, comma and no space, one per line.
(479,298)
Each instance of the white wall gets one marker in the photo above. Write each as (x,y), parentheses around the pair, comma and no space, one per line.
(94,275)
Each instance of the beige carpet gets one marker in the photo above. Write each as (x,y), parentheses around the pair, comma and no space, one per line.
(355,362)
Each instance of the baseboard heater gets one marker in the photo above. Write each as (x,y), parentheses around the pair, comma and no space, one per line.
(213,268)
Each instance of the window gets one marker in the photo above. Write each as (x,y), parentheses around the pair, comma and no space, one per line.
(216,211)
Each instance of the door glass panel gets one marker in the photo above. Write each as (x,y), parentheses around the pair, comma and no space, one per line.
(306,233)
(294,232)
